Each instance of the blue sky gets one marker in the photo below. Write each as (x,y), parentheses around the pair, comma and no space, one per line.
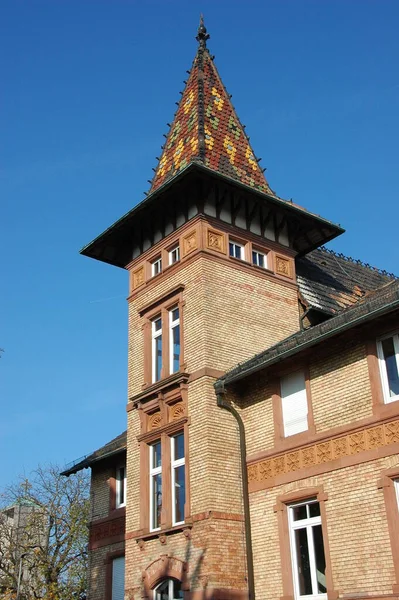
(88,87)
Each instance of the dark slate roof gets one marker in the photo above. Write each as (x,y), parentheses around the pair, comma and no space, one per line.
(378,303)
(115,446)
(329,282)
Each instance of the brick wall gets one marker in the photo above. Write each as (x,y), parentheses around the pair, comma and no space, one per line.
(340,384)
(99,490)
(98,571)
(215,555)
(229,315)
(357,525)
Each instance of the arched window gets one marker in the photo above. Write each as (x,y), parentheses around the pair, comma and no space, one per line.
(168,589)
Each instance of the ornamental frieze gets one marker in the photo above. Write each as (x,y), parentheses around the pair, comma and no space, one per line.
(324,452)
(106,530)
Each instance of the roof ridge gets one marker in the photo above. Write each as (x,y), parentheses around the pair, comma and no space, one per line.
(357,261)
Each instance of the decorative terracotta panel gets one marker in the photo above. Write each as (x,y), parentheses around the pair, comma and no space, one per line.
(215,241)
(107,530)
(324,452)
(283,266)
(190,243)
(177,411)
(155,421)
(138,277)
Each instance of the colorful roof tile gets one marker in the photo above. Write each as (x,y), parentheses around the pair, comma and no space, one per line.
(207,130)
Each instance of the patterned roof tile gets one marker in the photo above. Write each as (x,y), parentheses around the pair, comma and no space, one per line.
(207,130)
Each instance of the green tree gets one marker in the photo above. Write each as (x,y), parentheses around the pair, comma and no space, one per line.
(44,536)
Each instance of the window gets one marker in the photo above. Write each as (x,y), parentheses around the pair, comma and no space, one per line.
(174,340)
(120,486)
(388,354)
(164,360)
(307,550)
(294,403)
(163,337)
(236,250)
(174,255)
(156,349)
(396,484)
(167,493)
(259,259)
(155,486)
(118,578)
(169,589)
(156,266)
(178,478)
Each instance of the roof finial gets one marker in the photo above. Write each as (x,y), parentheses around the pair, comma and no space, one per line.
(202,34)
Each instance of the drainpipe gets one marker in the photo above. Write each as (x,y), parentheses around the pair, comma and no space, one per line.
(222,403)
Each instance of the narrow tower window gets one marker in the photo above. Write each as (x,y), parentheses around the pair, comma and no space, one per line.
(236,250)
(174,340)
(388,354)
(178,478)
(174,255)
(120,486)
(156,349)
(155,486)
(259,259)
(156,266)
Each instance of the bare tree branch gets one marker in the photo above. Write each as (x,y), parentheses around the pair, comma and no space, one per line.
(44,532)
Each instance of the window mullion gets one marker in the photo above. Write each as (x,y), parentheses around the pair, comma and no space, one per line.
(312,559)
(294,560)
(171,326)
(165,342)
(173,474)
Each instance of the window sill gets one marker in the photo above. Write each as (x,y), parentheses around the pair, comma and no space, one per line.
(163,534)
(159,386)
(116,513)
(386,409)
(286,442)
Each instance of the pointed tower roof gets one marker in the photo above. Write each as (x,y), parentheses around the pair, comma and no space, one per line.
(207,164)
(206,129)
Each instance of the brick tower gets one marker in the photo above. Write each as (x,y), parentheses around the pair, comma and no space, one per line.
(211,259)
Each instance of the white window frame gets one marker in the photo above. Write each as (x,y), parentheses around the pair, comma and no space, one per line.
(175,463)
(156,266)
(304,524)
(119,504)
(174,255)
(172,325)
(153,472)
(396,486)
(155,334)
(170,589)
(237,245)
(258,254)
(383,368)
(292,427)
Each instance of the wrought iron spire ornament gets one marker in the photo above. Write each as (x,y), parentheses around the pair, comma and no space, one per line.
(202,35)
